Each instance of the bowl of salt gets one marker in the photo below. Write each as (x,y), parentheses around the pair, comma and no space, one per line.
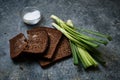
(31,15)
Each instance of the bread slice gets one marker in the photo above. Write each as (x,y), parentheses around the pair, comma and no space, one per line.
(54,38)
(17,44)
(37,41)
(63,50)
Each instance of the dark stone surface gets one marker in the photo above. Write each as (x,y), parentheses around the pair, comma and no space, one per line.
(99,15)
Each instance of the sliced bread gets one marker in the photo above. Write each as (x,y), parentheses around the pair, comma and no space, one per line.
(37,41)
(17,45)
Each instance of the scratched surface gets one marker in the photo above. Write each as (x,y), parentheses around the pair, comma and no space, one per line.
(99,15)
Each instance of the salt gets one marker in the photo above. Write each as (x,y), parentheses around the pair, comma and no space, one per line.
(32,17)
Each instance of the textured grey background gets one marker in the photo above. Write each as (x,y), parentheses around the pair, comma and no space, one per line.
(99,15)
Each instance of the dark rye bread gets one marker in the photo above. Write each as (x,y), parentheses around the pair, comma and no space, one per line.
(54,38)
(37,41)
(17,44)
(63,50)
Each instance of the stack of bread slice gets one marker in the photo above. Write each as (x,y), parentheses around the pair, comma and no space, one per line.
(47,45)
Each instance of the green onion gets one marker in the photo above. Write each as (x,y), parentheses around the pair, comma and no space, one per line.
(86,58)
(99,34)
(83,47)
(74,53)
(62,24)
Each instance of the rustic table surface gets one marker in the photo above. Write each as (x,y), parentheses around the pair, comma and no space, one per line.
(99,15)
